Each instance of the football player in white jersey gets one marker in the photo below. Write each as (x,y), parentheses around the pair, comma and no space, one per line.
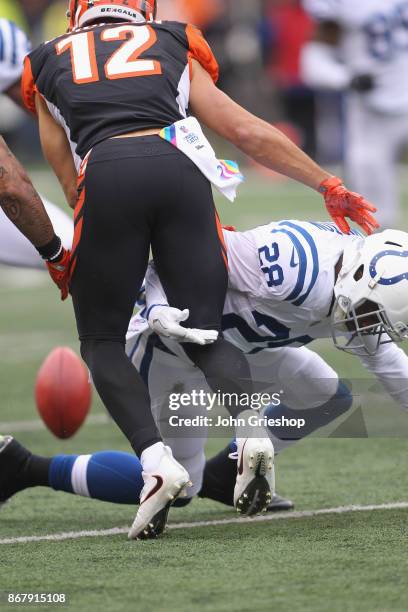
(362,47)
(289,283)
(15,249)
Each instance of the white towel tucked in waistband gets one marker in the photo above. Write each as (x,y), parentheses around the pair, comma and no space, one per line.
(188,137)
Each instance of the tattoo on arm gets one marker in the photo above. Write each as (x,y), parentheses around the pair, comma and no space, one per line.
(20,201)
(12,208)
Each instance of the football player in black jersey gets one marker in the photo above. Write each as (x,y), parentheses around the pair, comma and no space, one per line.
(103,92)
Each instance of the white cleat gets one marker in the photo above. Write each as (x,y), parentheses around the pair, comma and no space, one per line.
(162,487)
(255,484)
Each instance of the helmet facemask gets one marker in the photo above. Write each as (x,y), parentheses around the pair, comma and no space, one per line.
(360,329)
(371,294)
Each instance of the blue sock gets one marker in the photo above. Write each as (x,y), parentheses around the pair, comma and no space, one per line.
(108,475)
(315,417)
(233,448)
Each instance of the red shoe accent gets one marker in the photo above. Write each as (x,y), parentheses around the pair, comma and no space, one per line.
(241,461)
(156,488)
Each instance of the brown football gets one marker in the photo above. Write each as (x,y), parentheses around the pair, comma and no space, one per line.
(63,392)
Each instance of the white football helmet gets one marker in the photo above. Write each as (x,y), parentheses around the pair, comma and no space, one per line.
(371,293)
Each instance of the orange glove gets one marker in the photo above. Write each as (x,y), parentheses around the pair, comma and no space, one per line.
(229,228)
(341,203)
(59,272)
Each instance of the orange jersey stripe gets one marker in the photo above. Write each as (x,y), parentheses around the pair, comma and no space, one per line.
(77,235)
(222,240)
(28,87)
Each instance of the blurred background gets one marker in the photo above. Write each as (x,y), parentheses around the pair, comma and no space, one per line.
(257,44)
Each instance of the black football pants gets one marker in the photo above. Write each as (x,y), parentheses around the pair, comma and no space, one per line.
(139,193)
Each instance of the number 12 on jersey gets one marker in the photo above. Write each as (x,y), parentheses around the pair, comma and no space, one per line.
(125,62)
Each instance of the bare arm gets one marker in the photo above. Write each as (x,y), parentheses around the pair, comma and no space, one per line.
(14,93)
(57,151)
(255,137)
(320,64)
(20,201)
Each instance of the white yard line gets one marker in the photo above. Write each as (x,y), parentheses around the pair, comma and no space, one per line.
(75,535)
(12,427)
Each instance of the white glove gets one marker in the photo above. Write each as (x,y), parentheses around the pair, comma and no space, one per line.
(165,321)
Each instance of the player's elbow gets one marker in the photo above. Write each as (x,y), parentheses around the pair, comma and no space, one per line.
(249,137)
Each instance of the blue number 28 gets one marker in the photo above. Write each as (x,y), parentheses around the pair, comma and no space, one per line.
(273,272)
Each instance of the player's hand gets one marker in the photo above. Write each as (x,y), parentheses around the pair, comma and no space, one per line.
(342,203)
(165,321)
(59,272)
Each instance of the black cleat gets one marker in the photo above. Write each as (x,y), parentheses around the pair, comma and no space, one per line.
(280,504)
(13,461)
(157,525)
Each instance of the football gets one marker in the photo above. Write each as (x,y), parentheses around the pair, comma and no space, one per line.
(63,392)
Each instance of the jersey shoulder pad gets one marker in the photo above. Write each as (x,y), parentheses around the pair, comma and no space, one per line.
(14,46)
(200,50)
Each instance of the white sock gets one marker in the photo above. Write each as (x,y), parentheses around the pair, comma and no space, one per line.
(151,456)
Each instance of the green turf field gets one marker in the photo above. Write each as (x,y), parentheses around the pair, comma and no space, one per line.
(340,562)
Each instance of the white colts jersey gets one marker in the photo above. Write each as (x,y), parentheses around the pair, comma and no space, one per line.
(14,46)
(281,280)
(375,41)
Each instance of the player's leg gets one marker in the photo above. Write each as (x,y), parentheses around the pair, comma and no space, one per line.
(110,476)
(191,261)
(16,250)
(110,253)
(169,376)
(109,259)
(371,155)
(312,391)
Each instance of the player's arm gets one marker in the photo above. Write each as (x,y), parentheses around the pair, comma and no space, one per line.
(23,206)
(271,148)
(14,93)
(57,151)
(390,366)
(20,201)
(320,64)
(255,137)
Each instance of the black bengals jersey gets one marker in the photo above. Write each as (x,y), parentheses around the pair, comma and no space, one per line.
(106,80)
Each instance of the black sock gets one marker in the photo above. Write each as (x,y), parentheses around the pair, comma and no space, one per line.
(219,478)
(20,470)
(35,472)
